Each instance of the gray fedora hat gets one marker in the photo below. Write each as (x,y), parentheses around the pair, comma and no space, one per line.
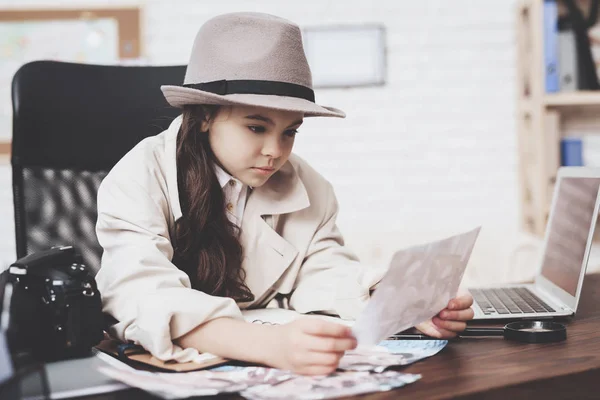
(249,59)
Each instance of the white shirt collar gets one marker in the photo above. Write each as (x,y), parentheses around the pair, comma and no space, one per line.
(224,177)
(235,194)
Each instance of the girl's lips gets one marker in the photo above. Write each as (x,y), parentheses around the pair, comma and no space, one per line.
(263,170)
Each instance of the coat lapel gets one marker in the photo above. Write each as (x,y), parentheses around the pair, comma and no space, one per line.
(267,255)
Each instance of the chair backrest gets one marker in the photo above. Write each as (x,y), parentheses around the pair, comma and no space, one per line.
(71,124)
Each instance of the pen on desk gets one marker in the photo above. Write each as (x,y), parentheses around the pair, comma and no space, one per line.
(412,336)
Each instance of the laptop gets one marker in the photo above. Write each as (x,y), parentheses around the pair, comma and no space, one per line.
(567,243)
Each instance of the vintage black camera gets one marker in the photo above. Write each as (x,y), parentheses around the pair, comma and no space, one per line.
(55,307)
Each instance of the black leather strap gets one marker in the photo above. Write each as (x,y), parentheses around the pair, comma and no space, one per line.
(224,87)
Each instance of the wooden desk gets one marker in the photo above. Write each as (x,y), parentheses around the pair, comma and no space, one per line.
(494,368)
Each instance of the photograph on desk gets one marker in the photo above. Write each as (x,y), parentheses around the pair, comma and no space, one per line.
(299,199)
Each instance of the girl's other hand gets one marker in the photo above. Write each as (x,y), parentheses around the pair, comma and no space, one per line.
(310,346)
(451,320)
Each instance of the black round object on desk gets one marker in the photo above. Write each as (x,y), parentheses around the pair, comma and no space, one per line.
(535,331)
(524,331)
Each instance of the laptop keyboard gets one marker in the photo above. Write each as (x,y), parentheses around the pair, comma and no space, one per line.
(509,301)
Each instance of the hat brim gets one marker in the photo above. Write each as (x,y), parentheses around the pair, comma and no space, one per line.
(178,96)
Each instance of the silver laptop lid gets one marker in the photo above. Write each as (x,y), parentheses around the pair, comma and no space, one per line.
(569,233)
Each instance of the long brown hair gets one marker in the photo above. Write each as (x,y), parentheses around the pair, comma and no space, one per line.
(206,245)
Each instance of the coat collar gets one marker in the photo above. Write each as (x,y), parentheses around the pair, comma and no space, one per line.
(283,193)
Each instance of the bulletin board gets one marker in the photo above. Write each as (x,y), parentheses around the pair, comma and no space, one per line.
(114,36)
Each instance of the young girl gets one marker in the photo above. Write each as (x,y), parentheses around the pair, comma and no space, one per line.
(215,215)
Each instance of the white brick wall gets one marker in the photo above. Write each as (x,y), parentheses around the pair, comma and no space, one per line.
(429,154)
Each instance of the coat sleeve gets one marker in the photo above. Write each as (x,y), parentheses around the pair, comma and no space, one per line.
(150,297)
(331,278)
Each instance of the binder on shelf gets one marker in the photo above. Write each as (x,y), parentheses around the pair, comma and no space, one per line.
(571,152)
(551,46)
(567,61)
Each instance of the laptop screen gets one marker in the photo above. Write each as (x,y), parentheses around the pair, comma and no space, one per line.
(569,229)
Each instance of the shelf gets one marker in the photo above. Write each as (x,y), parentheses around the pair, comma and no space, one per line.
(543,118)
(580,98)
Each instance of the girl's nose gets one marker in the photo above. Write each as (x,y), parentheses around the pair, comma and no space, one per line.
(272,148)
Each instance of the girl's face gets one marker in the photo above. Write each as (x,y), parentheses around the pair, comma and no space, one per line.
(252,143)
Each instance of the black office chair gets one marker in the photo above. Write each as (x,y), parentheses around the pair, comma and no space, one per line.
(71,124)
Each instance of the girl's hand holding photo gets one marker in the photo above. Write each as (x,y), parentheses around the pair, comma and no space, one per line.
(451,320)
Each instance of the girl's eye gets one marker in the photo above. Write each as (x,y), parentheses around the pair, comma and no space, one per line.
(257,128)
(291,132)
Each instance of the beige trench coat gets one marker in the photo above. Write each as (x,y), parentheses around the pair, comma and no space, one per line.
(289,236)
